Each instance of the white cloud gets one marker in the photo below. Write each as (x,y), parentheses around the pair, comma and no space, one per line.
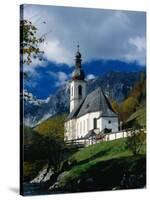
(138,53)
(139,43)
(90,76)
(103,34)
(60,77)
(54,51)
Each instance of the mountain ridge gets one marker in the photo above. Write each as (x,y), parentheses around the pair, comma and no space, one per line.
(116,85)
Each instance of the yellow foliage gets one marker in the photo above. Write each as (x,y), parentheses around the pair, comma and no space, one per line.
(129,105)
(53,126)
(115,106)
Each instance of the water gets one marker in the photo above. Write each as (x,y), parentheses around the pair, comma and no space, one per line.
(37,189)
(33,189)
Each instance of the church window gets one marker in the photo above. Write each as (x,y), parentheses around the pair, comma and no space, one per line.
(80,127)
(80,90)
(87,125)
(71,91)
(83,126)
(95,123)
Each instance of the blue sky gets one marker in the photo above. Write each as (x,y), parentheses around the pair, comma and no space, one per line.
(109,40)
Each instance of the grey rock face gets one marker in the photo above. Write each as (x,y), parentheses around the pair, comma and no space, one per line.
(57,104)
(56,185)
(43,176)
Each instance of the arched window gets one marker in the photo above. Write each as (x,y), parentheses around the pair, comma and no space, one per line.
(87,125)
(83,126)
(80,91)
(80,128)
(94,123)
(72,91)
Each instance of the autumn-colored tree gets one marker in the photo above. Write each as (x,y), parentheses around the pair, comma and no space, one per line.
(52,132)
(115,106)
(135,100)
(29,42)
(128,107)
(45,142)
(53,126)
(139,89)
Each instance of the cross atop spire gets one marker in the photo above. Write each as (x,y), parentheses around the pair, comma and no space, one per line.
(78,54)
(78,46)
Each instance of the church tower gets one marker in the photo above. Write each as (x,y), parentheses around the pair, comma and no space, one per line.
(77,84)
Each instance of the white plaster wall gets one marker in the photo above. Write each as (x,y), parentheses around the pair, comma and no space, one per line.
(119,135)
(70,129)
(104,123)
(85,123)
(74,98)
(112,136)
(77,128)
(125,134)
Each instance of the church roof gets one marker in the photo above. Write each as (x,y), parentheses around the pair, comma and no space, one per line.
(95,101)
(75,111)
(78,74)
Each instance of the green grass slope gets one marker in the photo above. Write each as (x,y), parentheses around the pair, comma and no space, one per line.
(104,164)
(139,117)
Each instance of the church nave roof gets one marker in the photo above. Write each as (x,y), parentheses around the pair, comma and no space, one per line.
(95,101)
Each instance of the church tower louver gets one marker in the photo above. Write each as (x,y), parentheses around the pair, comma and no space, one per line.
(77,84)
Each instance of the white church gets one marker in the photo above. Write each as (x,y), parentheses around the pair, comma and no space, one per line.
(91,114)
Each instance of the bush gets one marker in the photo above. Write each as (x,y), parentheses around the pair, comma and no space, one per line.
(135,140)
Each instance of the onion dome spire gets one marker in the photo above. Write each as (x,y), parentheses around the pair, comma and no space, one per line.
(78,73)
